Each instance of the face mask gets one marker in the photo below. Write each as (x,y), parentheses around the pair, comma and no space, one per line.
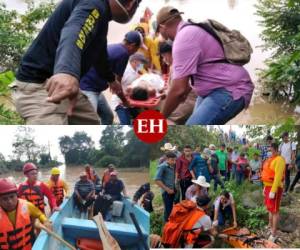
(212,151)
(128,18)
(140,67)
(269,154)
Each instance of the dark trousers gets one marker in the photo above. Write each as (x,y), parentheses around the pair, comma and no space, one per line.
(184,185)
(287,178)
(224,174)
(224,214)
(217,181)
(82,207)
(168,200)
(297,178)
(240,176)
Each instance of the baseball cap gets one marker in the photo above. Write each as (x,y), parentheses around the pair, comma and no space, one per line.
(134,37)
(167,13)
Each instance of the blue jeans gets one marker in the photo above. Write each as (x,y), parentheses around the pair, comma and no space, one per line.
(217,181)
(104,111)
(239,177)
(168,200)
(100,105)
(126,114)
(215,109)
(224,214)
(233,171)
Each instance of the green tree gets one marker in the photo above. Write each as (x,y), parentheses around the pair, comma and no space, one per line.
(24,145)
(18,30)
(280,20)
(76,149)
(185,135)
(112,141)
(136,152)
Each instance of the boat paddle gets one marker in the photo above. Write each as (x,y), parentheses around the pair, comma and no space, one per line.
(134,220)
(108,242)
(39,225)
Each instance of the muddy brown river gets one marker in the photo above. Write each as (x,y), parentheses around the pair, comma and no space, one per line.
(133,178)
(237,14)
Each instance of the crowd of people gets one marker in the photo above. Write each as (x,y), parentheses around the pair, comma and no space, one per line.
(62,76)
(185,178)
(21,205)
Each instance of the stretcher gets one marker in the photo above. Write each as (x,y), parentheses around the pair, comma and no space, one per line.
(152,102)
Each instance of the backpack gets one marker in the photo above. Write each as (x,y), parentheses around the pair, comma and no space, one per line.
(237,49)
(174,229)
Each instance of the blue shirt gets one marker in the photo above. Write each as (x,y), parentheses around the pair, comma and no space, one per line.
(166,174)
(200,167)
(118,57)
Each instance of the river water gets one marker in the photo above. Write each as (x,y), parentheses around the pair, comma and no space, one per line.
(237,14)
(133,178)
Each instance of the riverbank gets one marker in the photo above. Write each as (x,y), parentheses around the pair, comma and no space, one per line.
(251,212)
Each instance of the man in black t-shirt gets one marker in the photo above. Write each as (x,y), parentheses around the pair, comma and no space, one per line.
(70,43)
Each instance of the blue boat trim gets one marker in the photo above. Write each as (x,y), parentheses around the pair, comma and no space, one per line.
(67,224)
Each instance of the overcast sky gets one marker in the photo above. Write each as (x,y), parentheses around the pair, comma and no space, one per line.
(43,134)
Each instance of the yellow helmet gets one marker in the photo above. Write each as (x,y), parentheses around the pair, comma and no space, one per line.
(55,171)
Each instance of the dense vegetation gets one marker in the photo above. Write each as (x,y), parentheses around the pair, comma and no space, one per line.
(123,150)
(16,32)
(280,20)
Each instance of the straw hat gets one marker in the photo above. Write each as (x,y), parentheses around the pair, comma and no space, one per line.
(201,181)
(168,147)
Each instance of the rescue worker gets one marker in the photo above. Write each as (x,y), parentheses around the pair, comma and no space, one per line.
(58,187)
(72,41)
(106,174)
(91,174)
(187,222)
(17,215)
(272,177)
(34,190)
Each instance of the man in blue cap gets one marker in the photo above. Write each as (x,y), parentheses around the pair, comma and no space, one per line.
(92,83)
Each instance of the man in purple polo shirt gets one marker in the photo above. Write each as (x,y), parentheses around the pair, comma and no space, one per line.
(223,89)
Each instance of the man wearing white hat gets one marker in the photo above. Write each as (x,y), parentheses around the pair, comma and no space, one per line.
(198,189)
(168,147)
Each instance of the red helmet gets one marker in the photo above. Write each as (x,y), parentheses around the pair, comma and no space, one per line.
(28,167)
(7,186)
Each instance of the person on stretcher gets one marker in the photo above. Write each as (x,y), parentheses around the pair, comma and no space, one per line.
(147,86)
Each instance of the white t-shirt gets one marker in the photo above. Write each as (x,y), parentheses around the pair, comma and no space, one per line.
(286,150)
(229,202)
(150,80)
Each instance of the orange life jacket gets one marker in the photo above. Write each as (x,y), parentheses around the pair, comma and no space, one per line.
(33,194)
(19,236)
(268,174)
(106,177)
(57,188)
(178,230)
(90,175)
